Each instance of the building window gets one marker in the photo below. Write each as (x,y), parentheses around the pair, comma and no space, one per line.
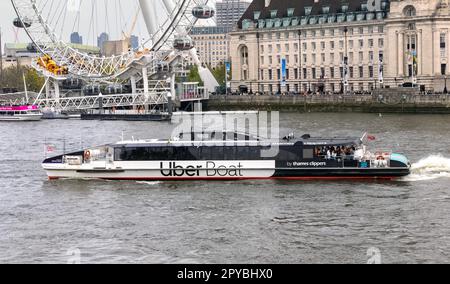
(409,11)
(443,44)
(305,73)
(244,55)
(270,74)
(308,10)
(332,72)
(371,71)
(273,14)
(290,12)
(361,72)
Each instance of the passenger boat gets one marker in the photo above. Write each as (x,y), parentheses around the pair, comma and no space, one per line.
(20,113)
(230,156)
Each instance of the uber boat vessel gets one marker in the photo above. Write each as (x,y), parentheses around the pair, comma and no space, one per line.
(20,113)
(229,156)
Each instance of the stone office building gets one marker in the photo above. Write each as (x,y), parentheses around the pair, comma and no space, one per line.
(386,44)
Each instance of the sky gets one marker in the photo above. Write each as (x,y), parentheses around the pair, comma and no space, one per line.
(112,26)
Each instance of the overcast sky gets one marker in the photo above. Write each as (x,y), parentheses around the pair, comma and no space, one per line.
(112,26)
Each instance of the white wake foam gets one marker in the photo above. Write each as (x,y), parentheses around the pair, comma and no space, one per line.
(429,168)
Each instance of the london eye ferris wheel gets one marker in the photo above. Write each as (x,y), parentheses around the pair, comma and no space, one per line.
(162,25)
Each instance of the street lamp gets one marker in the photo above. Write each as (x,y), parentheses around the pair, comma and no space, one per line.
(344,80)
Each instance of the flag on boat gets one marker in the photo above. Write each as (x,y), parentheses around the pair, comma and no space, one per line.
(371,137)
(50,148)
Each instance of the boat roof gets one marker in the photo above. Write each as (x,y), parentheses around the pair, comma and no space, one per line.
(240,139)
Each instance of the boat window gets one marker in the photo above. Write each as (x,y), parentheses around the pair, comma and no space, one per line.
(308,153)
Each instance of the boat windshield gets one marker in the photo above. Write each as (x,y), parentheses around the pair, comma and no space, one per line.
(333,152)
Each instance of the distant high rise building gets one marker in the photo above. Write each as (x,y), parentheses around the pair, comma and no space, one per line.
(76,38)
(134,41)
(101,39)
(230,11)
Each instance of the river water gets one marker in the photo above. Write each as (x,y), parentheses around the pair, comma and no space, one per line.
(94,221)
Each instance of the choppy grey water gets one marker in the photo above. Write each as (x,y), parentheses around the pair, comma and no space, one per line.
(226,222)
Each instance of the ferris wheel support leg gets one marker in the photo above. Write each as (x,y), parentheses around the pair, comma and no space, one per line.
(57,95)
(145,82)
(170,5)
(47,92)
(207,77)
(148,11)
(133,84)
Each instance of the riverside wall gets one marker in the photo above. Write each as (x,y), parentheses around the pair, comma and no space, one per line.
(379,102)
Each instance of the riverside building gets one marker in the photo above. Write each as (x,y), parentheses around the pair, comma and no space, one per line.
(341,46)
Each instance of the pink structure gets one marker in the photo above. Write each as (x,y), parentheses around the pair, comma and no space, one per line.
(18,108)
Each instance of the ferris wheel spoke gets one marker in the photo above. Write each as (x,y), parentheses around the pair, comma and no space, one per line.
(51,22)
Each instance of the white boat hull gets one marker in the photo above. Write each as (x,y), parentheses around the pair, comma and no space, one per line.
(195,170)
(21,117)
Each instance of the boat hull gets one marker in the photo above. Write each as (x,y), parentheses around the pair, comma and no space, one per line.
(28,117)
(260,174)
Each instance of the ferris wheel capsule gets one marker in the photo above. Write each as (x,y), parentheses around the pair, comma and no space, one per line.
(183,43)
(203,12)
(25,23)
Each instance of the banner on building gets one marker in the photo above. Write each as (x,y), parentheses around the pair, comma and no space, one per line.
(283,72)
(345,75)
(380,69)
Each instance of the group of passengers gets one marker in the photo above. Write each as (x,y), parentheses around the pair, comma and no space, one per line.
(333,152)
